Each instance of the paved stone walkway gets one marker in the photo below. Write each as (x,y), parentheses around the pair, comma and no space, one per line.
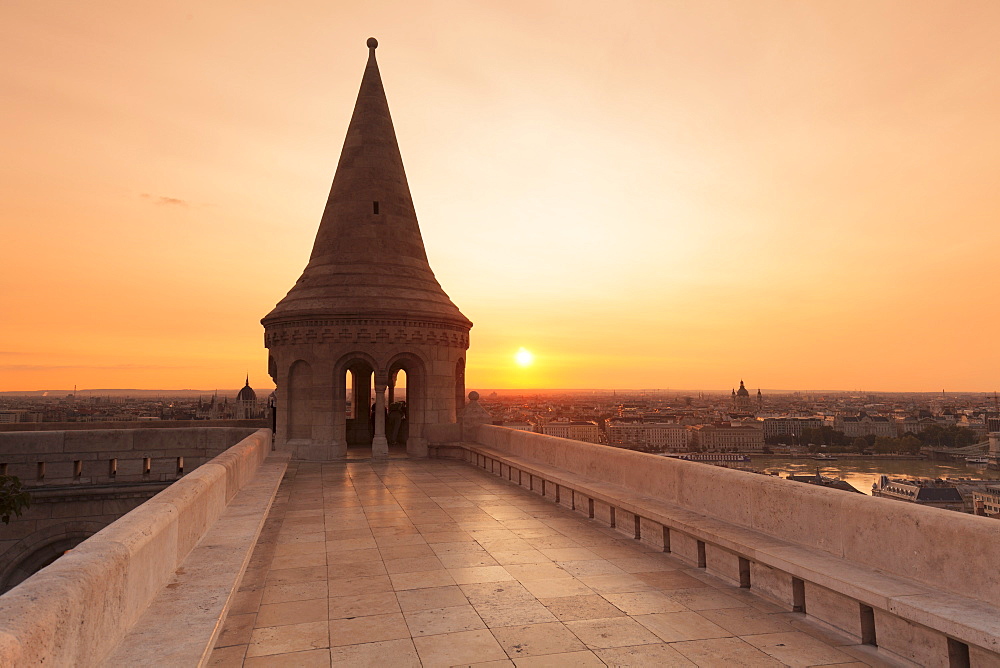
(437,563)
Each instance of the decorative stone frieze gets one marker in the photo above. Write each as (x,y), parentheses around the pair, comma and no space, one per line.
(366,331)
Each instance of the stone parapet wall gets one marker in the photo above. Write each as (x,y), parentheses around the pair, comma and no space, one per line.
(132,424)
(112,456)
(951,551)
(75,611)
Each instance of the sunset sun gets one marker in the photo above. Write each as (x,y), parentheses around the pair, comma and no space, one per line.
(524,357)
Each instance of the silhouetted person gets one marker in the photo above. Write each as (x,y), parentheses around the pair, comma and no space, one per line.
(404,425)
(394,421)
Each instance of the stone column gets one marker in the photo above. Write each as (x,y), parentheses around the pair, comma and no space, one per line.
(338,447)
(281,406)
(322,411)
(380,446)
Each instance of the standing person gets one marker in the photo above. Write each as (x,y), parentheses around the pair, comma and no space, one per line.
(404,424)
(393,422)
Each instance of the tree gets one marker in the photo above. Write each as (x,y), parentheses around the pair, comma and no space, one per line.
(951,436)
(910,444)
(885,445)
(859,444)
(13,499)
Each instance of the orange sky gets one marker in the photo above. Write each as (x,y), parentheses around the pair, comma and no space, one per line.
(643,194)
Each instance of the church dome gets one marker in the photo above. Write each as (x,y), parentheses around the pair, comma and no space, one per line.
(742,392)
(247,393)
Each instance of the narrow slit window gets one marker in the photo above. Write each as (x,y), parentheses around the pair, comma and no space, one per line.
(868,636)
(798,595)
(375,208)
(77,469)
(112,468)
(147,465)
(180,466)
(41,470)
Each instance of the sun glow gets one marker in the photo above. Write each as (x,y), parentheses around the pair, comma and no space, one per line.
(523,357)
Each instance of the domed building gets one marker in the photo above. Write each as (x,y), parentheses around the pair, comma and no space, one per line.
(741,399)
(246,407)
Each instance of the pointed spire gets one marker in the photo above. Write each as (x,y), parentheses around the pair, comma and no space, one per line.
(368,258)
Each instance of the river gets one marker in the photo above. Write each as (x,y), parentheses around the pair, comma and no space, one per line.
(863,472)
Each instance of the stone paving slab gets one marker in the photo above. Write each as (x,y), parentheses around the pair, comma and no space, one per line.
(437,563)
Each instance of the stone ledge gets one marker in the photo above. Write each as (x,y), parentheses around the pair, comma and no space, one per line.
(182,623)
(968,620)
(76,610)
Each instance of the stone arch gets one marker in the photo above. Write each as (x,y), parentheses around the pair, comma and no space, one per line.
(39,549)
(300,391)
(356,430)
(416,397)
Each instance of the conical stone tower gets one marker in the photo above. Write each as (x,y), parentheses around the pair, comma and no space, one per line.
(366,308)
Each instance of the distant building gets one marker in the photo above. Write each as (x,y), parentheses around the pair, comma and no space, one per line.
(937,494)
(727,438)
(864,425)
(576,430)
(247,407)
(741,399)
(648,436)
(11,416)
(987,502)
(788,426)
(519,426)
(824,481)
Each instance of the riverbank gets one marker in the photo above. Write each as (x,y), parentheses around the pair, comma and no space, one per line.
(862,472)
(839,455)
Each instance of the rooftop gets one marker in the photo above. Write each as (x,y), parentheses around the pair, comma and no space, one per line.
(436,563)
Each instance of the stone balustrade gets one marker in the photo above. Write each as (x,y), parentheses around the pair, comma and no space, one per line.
(918,582)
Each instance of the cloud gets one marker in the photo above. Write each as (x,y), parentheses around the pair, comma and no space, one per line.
(165,201)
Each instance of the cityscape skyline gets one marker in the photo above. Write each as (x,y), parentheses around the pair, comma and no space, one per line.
(801,194)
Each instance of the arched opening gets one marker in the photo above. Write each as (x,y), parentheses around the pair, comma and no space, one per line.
(360,415)
(39,550)
(397,418)
(459,385)
(300,383)
(350,407)
(408,392)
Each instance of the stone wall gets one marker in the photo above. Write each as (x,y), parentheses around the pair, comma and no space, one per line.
(137,424)
(78,609)
(82,480)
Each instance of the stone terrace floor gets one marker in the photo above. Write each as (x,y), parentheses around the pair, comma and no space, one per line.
(437,563)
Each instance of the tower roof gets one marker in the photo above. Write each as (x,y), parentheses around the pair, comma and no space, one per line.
(368,259)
